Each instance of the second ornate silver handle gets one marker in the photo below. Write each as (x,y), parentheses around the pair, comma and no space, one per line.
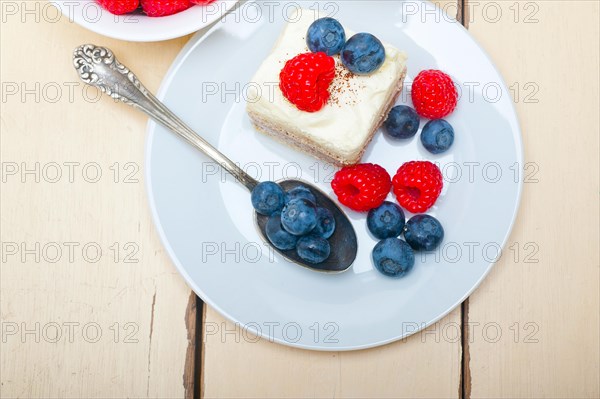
(97,66)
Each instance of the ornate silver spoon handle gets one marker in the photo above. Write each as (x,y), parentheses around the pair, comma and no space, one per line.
(97,66)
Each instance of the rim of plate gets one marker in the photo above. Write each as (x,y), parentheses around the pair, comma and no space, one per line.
(195,41)
(173,32)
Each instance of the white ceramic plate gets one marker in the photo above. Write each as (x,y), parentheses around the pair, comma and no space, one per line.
(205,218)
(137,27)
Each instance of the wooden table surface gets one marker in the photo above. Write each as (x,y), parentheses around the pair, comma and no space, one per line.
(91,306)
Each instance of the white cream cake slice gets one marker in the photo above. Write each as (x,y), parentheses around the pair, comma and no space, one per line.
(339,132)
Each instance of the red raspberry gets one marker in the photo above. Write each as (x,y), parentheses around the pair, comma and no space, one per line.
(417,185)
(161,8)
(361,187)
(433,94)
(305,80)
(202,2)
(119,7)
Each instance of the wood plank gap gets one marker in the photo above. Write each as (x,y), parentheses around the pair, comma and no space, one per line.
(463,13)
(460,11)
(191,325)
(465,369)
(201,322)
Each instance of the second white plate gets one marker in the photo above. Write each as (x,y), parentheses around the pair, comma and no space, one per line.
(138,27)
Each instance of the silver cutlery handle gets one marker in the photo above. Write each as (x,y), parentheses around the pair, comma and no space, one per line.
(97,66)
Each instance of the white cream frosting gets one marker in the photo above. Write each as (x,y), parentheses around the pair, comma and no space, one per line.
(344,124)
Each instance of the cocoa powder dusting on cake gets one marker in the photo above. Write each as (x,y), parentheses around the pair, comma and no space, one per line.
(344,89)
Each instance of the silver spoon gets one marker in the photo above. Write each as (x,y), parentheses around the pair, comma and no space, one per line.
(97,66)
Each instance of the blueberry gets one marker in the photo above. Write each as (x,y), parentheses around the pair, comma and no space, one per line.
(277,235)
(299,216)
(300,192)
(363,54)
(326,35)
(393,257)
(402,122)
(423,233)
(437,136)
(386,221)
(325,223)
(313,249)
(267,198)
